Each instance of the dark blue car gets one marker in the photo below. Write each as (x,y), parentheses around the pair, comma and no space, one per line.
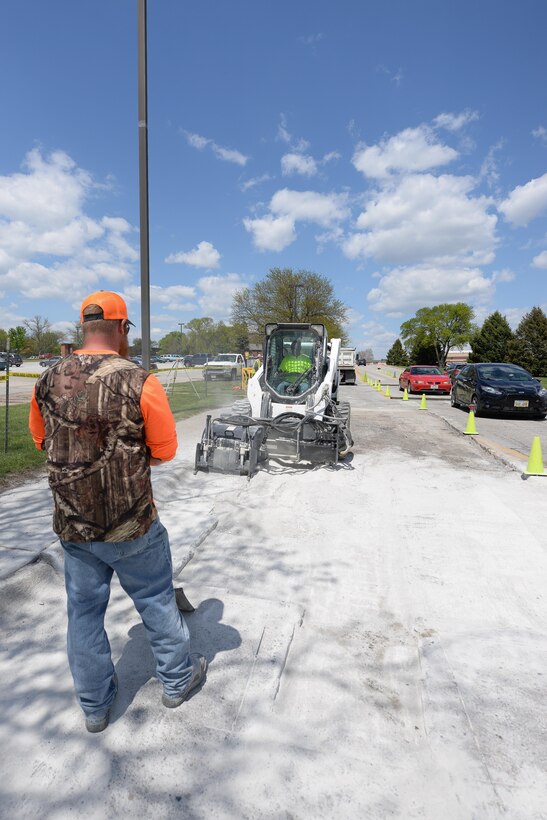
(499,388)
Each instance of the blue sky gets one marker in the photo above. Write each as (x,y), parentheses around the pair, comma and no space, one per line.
(397,147)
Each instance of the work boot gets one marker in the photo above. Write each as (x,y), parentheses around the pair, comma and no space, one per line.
(199,670)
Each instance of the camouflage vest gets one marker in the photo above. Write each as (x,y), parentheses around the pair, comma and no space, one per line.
(97,460)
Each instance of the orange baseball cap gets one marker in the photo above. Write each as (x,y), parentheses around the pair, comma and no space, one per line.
(111,305)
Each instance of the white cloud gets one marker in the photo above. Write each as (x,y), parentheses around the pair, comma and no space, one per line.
(540,261)
(254,181)
(50,247)
(283,135)
(311,39)
(205,255)
(404,290)
(310,206)
(525,202)
(414,149)
(540,133)
(377,337)
(454,122)
(229,154)
(276,230)
(425,218)
(489,168)
(271,234)
(216,294)
(48,195)
(226,154)
(298,164)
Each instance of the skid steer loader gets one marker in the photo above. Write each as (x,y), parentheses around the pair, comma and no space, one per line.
(291,413)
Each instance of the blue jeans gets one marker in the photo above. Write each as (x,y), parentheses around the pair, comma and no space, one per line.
(144,569)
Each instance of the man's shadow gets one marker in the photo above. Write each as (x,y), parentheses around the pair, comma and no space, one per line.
(136,665)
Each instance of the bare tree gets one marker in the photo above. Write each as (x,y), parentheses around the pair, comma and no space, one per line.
(37,327)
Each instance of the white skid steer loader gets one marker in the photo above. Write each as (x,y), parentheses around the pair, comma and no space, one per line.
(291,412)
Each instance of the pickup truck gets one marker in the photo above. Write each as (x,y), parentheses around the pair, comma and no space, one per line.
(224,366)
(346,365)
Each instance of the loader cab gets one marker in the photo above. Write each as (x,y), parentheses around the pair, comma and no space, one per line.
(294,360)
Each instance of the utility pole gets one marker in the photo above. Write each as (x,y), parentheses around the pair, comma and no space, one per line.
(295,306)
(143,187)
(181,325)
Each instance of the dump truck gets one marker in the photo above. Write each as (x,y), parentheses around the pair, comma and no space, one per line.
(346,365)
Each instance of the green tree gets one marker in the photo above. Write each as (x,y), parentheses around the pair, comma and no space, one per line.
(17,339)
(490,343)
(286,295)
(397,355)
(174,343)
(200,334)
(422,353)
(443,327)
(528,347)
(3,339)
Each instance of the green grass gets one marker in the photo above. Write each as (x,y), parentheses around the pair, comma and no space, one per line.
(184,402)
(23,460)
(543,380)
(22,456)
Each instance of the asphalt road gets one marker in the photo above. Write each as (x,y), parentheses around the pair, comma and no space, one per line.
(508,437)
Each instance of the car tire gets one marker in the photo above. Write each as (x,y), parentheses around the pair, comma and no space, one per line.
(233,374)
(400,387)
(453,402)
(475,401)
(409,389)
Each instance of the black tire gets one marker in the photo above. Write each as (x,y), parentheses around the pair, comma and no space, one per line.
(475,401)
(453,402)
(233,374)
(400,387)
(409,389)
(241,407)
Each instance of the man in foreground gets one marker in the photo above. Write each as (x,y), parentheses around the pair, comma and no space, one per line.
(103,421)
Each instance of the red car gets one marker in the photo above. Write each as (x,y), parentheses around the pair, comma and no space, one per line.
(422,378)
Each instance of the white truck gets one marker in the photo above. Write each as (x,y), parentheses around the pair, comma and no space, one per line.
(346,365)
(224,366)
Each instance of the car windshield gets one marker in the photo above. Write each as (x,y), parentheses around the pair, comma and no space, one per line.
(425,371)
(226,357)
(504,373)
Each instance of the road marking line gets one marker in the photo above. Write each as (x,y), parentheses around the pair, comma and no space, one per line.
(509,450)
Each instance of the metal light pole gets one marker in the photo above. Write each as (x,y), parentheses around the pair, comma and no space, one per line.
(295,307)
(143,188)
(181,325)
(6,429)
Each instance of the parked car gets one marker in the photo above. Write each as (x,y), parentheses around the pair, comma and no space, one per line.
(197,359)
(15,359)
(453,368)
(421,378)
(3,363)
(138,360)
(224,366)
(499,388)
(51,360)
